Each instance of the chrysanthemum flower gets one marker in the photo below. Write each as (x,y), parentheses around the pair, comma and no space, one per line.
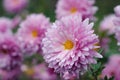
(31,32)
(40,72)
(10,54)
(69,45)
(112,68)
(84,7)
(14,6)
(5,25)
(109,28)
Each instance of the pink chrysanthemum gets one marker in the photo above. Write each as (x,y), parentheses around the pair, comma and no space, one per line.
(31,32)
(112,68)
(10,54)
(84,7)
(110,28)
(69,45)
(14,6)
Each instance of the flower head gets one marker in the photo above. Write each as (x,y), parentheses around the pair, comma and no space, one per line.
(84,7)
(5,25)
(117,10)
(110,28)
(14,6)
(31,32)
(69,45)
(10,54)
(112,68)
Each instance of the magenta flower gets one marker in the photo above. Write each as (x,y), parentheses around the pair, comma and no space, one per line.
(112,68)
(84,7)
(109,28)
(10,57)
(31,32)
(69,45)
(15,6)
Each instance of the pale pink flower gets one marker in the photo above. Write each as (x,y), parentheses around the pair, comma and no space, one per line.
(117,10)
(5,25)
(69,45)
(84,7)
(108,25)
(14,6)
(117,23)
(31,32)
(112,68)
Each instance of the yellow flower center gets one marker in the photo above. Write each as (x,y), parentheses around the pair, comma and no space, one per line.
(34,33)
(73,10)
(29,72)
(68,45)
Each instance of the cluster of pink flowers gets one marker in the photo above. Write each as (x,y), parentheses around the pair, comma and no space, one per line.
(69,46)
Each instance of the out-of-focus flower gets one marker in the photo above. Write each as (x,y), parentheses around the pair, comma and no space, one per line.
(5,25)
(117,23)
(112,68)
(31,32)
(10,75)
(69,45)
(40,72)
(117,13)
(108,24)
(10,54)
(117,10)
(14,6)
(104,43)
(84,7)
(15,21)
